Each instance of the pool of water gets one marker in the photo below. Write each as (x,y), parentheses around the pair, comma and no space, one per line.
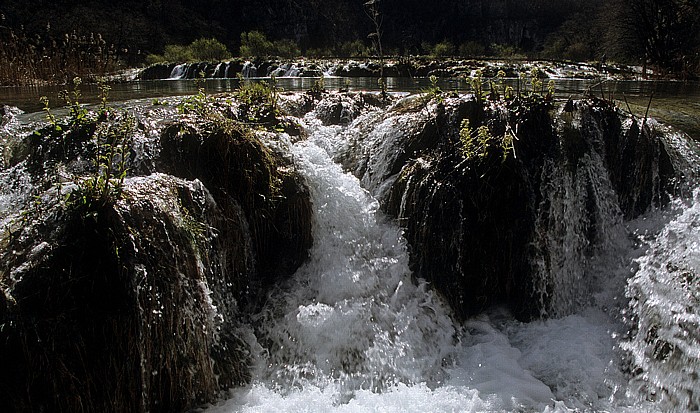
(673,102)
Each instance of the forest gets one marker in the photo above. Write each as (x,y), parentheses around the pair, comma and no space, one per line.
(664,34)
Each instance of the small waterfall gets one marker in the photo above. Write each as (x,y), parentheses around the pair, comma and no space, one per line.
(665,309)
(578,221)
(353,318)
(179,71)
(249,70)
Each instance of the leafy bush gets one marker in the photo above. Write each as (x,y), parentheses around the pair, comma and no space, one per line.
(471,48)
(254,43)
(355,48)
(285,48)
(177,53)
(443,49)
(202,49)
(258,102)
(210,50)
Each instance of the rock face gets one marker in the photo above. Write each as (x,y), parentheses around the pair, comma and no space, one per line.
(135,303)
(503,215)
(246,177)
(128,308)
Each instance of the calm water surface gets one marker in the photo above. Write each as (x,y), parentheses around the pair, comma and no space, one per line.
(673,102)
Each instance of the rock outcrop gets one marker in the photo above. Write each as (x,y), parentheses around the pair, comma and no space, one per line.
(501,210)
(128,293)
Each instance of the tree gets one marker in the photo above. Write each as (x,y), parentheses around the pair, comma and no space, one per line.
(665,32)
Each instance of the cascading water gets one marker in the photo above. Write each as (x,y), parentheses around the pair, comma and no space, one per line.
(354,332)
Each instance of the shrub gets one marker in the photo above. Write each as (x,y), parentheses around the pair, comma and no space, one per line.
(254,43)
(285,48)
(471,48)
(355,48)
(208,50)
(443,49)
(177,53)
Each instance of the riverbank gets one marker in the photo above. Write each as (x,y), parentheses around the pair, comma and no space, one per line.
(393,67)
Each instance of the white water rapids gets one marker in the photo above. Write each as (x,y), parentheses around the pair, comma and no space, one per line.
(353,332)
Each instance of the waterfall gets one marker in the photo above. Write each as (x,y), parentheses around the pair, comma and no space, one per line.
(355,331)
(353,316)
(358,329)
(249,70)
(665,308)
(179,71)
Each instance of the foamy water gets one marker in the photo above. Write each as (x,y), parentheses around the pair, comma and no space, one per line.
(353,332)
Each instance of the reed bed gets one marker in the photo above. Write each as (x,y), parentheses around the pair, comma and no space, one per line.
(36,59)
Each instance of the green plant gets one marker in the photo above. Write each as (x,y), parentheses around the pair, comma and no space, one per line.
(210,50)
(318,88)
(254,43)
(104,89)
(536,82)
(443,49)
(113,144)
(258,101)
(433,91)
(383,89)
(78,113)
(198,103)
(177,53)
(285,48)
(375,15)
(471,48)
(477,84)
(480,142)
(50,116)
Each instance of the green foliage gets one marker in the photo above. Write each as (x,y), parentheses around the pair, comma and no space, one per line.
(209,50)
(113,141)
(474,143)
(480,143)
(259,101)
(383,89)
(254,43)
(443,49)
(285,48)
(78,113)
(197,104)
(318,88)
(203,49)
(476,82)
(49,116)
(433,91)
(503,50)
(355,48)
(471,48)
(177,53)
(43,56)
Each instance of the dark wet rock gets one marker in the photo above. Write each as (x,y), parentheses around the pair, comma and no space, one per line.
(135,303)
(484,223)
(124,308)
(157,71)
(241,173)
(339,108)
(644,166)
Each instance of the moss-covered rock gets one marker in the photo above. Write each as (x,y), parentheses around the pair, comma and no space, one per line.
(134,303)
(126,308)
(243,174)
(501,209)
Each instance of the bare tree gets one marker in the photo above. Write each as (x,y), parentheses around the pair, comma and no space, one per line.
(372,10)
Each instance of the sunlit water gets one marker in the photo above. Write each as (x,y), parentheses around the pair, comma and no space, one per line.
(352,332)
